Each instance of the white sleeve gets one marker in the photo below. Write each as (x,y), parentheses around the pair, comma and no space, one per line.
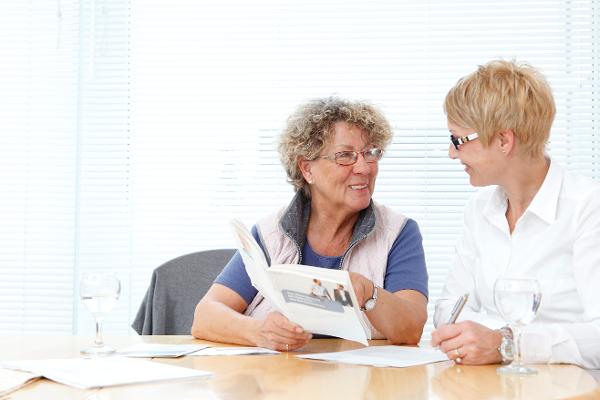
(575,343)
(461,278)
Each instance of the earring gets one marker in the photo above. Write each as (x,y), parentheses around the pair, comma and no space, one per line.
(310,182)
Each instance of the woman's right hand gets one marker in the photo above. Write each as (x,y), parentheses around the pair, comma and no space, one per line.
(279,333)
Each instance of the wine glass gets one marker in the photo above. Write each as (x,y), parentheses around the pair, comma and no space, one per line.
(99,292)
(517,301)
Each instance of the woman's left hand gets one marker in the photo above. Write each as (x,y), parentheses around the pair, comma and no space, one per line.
(468,343)
(363,287)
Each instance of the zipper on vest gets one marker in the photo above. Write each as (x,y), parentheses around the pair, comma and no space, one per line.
(364,236)
(297,246)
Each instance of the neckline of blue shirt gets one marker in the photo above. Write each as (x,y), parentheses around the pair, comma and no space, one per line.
(316,260)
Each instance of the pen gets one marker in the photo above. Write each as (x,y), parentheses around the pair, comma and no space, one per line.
(462,300)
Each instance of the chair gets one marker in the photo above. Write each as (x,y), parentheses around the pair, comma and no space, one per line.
(175,289)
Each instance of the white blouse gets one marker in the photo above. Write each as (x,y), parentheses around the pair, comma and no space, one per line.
(557,242)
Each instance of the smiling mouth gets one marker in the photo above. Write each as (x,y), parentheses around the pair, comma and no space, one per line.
(358,187)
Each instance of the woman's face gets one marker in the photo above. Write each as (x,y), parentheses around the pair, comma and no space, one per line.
(342,187)
(483,164)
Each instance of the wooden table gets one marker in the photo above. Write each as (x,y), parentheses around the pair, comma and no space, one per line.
(286,377)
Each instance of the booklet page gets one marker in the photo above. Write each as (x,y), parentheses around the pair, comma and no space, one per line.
(321,300)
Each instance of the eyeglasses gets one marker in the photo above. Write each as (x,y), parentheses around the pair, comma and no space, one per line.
(350,157)
(457,141)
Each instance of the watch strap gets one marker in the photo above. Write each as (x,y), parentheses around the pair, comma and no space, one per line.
(370,303)
(507,342)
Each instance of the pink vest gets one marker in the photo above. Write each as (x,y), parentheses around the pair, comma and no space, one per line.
(368,257)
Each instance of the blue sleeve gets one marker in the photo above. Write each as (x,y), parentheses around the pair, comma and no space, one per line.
(406,262)
(235,277)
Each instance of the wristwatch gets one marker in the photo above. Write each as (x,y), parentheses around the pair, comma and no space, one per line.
(370,303)
(506,348)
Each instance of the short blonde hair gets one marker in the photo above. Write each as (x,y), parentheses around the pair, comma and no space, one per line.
(504,95)
(310,128)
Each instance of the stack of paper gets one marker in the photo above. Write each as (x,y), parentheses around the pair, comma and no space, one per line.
(86,373)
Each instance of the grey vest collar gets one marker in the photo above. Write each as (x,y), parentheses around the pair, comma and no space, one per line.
(294,221)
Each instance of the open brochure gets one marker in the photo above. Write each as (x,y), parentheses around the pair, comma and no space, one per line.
(320,300)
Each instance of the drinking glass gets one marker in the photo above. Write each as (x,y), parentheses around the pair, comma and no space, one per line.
(99,292)
(517,301)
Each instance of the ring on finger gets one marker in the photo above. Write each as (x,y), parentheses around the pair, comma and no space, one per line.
(458,359)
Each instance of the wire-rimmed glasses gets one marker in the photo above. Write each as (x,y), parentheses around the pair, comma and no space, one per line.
(349,157)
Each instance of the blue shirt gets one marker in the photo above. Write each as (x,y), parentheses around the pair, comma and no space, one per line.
(405,267)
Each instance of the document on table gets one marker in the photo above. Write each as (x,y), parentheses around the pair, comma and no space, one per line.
(383,356)
(11,380)
(86,373)
(160,350)
(232,351)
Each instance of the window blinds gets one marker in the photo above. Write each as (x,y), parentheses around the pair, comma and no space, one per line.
(176,106)
(38,141)
(214,89)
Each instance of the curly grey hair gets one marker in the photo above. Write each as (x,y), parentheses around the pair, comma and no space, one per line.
(310,128)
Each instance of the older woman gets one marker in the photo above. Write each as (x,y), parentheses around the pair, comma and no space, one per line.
(538,221)
(330,151)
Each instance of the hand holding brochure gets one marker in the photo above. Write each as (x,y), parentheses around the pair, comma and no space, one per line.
(320,300)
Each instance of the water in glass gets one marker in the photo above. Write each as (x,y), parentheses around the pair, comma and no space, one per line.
(517,301)
(99,292)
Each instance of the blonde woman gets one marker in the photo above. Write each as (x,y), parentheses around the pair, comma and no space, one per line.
(532,219)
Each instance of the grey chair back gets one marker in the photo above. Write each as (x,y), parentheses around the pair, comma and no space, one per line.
(175,289)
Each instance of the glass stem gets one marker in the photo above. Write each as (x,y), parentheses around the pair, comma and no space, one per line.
(98,342)
(517,351)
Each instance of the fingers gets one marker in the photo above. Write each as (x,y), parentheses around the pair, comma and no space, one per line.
(456,355)
(444,333)
(283,345)
(468,343)
(279,333)
(449,347)
(448,339)
(281,326)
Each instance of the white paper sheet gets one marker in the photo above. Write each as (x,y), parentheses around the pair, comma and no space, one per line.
(160,350)
(383,356)
(11,380)
(86,373)
(232,351)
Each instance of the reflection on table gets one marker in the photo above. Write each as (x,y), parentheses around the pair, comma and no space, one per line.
(285,377)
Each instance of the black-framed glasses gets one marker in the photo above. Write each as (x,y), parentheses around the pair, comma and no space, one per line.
(349,157)
(457,141)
